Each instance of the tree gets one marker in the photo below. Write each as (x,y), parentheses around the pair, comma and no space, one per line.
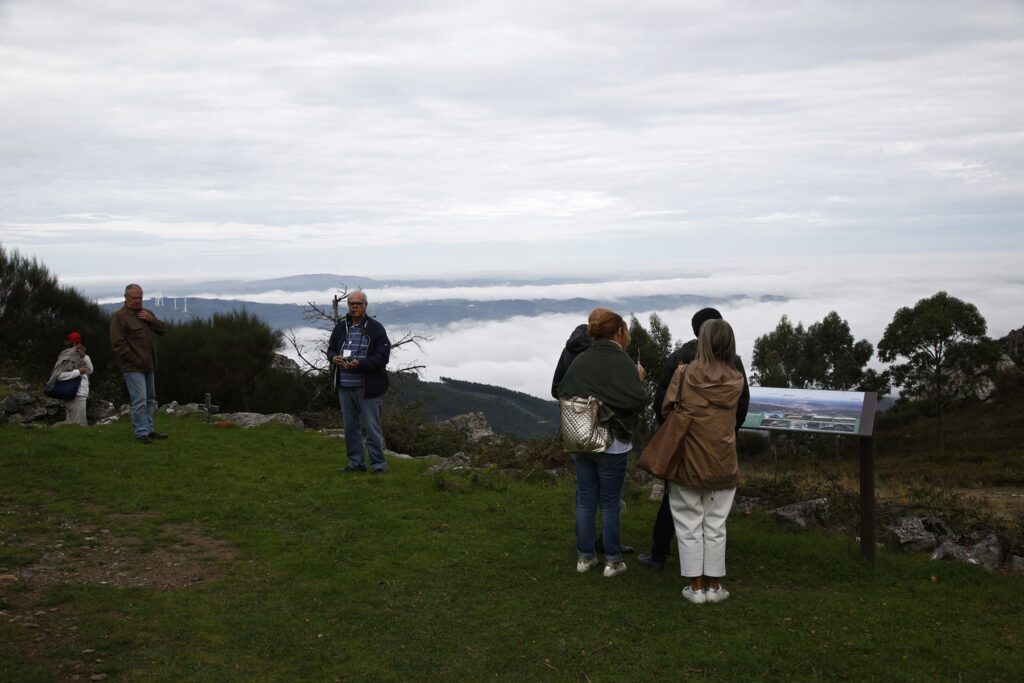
(834,360)
(226,356)
(37,313)
(780,357)
(652,347)
(948,356)
(822,356)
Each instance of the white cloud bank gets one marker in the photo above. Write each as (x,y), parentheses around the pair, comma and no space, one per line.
(520,353)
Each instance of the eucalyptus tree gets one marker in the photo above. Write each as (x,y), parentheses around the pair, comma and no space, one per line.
(946,354)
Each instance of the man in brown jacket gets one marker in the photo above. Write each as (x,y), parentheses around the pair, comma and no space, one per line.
(133,331)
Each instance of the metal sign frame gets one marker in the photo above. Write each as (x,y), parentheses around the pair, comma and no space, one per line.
(818,411)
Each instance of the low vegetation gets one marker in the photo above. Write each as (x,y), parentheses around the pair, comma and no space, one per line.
(229,554)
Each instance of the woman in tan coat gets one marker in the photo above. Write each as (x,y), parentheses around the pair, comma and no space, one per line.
(701,494)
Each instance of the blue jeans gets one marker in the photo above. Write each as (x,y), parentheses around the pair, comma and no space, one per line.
(599,480)
(142,391)
(353,407)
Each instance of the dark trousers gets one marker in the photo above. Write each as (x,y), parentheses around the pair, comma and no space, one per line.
(664,530)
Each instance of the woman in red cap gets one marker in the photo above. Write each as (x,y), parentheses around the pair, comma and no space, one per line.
(71,363)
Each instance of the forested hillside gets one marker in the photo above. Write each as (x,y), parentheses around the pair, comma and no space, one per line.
(508,412)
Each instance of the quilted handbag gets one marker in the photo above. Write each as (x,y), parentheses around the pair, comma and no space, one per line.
(581,431)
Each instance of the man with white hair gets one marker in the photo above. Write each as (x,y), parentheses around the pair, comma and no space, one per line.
(359,351)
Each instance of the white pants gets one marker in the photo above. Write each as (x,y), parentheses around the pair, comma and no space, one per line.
(75,409)
(699,516)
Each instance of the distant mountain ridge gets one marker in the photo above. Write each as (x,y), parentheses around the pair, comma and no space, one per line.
(430,313)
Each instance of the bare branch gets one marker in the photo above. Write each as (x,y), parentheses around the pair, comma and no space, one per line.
(410,369)
(416,340)
(312,357)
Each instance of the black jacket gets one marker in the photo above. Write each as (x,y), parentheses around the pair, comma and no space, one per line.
(686,354)
(578,342)
(378,353)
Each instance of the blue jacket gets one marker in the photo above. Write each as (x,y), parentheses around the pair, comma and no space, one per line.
(378,353)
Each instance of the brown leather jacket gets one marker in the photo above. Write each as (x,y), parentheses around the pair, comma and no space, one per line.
(710,396)
(134,340)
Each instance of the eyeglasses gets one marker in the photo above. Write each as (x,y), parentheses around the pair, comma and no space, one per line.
(356,303)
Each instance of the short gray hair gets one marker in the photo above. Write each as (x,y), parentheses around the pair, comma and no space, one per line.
(131,287)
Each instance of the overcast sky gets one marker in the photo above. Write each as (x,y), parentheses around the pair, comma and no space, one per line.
(239,138)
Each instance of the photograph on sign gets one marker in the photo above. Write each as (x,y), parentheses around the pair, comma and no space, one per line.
(811,410)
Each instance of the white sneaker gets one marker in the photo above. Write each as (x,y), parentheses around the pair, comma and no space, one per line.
(712,595)
(614,569)
(585,564)
(696,597)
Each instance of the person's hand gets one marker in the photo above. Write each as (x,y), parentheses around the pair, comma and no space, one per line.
(145,315)
(338,360)
(353,364)
(640,370)
(84,370)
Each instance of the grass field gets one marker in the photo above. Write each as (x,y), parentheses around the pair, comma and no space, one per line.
(244,555)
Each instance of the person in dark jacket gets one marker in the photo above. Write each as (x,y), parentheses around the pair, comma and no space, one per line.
(605,372)
(578,342)
(359,351)
(661,536)
(133,333)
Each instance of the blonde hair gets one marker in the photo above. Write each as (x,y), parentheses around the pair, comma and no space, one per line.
(716,344)
(605,324)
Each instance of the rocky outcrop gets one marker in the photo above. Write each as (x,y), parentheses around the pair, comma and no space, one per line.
(916,533)
(805,515)
(250,420)
(1013,346)
(283,362)
(473,425)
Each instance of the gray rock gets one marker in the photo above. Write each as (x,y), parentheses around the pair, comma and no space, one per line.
(1015,564)
(32,414)
(400,456)
(985,553)
(988,552)
(176,410)
(474,425)
(909,533)
(459,463)
(805,515)
(951,550)
(16,401)
(937,527)
(282,362)
(99,409)
(333,433)
(250,420)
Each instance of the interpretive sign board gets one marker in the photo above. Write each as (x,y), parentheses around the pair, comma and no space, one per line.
(849,413)
(811,410)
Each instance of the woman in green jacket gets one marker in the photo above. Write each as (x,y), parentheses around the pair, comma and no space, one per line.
(605,372)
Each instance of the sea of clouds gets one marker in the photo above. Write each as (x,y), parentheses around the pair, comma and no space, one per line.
(520,352)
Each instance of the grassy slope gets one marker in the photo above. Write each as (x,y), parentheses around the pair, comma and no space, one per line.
(416,577)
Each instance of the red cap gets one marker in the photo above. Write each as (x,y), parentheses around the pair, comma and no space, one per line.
(75,338)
